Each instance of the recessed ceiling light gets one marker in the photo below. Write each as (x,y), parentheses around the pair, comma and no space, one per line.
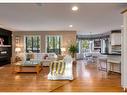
(70,25)
(74,8)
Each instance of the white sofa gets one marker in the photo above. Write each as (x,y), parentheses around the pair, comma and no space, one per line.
(40,57)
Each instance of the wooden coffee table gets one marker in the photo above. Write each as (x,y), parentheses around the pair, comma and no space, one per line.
(25,67)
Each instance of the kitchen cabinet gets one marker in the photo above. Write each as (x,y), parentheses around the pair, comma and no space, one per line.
(116,38)
(97,44)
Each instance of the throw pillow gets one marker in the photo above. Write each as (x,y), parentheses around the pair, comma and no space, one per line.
(17,58)
(29,56)
(45,56)
(60,57)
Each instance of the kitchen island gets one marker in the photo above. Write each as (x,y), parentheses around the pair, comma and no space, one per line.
(113,62)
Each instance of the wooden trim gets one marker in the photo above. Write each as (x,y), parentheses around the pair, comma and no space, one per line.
(124,11)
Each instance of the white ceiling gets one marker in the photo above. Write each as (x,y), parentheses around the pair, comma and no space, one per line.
(91,18)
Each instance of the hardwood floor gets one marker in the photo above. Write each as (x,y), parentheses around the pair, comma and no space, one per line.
(86,79)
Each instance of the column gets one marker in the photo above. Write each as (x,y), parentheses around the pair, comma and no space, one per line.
(124,52)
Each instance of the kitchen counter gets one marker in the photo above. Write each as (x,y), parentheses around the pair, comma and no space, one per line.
(114,62)
(111,53)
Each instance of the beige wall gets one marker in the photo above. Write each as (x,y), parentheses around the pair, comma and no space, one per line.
(67,37)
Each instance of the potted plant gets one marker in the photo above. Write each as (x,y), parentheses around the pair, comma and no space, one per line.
(72,50)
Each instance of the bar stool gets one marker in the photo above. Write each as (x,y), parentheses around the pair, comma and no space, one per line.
(102,64)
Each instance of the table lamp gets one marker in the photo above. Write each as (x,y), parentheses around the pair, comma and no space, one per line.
(17,50)
(63,50)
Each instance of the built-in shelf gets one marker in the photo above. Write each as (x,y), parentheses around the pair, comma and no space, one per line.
(5,45)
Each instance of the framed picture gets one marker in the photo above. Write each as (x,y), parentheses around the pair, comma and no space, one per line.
(17,40)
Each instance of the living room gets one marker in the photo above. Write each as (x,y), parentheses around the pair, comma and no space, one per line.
(85,36)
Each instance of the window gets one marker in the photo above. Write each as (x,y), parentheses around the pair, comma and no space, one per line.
(53,43)
(32,43)
(85,44)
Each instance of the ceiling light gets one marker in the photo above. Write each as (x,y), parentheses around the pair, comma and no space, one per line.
(70,25)
(74,8)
